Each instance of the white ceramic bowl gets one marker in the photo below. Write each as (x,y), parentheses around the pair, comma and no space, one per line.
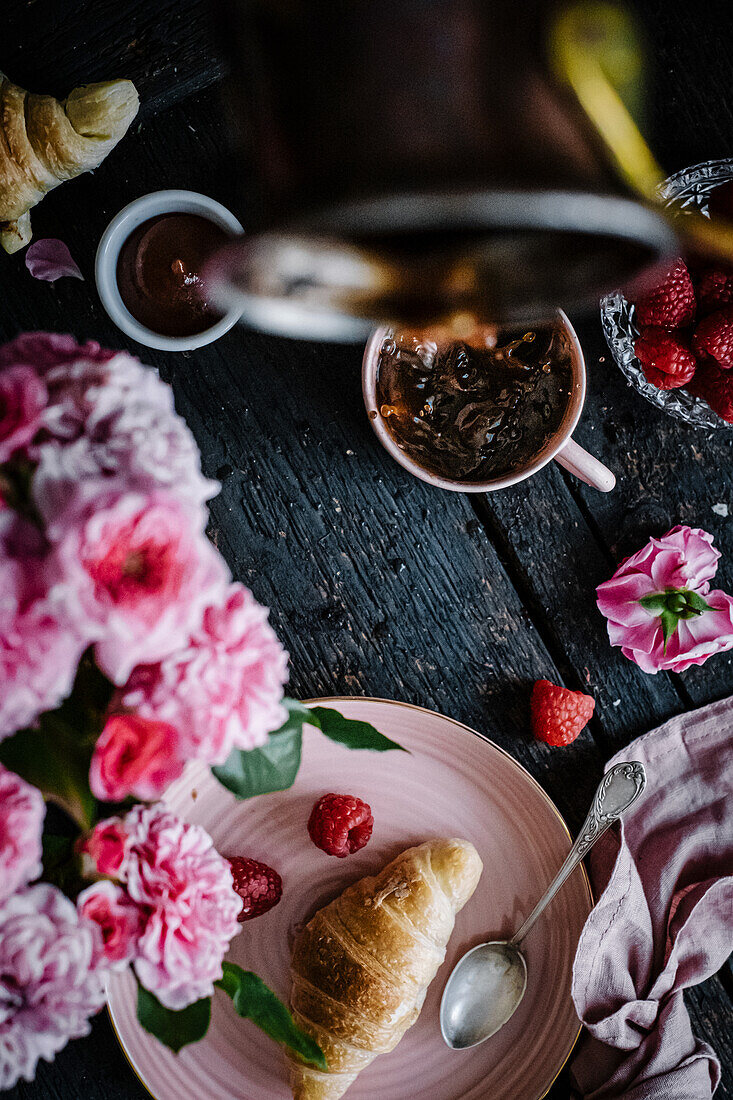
(117,232)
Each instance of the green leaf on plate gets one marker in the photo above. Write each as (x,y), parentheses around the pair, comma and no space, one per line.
(274,766)
(254,1001)
(350,732)
(174,1029)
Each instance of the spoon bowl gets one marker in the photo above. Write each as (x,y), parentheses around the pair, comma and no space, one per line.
(486,986)
(482,993)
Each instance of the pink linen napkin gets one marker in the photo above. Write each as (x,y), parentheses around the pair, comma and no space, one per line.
(664,917)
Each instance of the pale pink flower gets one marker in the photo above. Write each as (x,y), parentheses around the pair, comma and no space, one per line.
(40,645)
(22,400)
(49,982)
(143,445)
(224,689)
(173,870)
(118,918)
(134,756)
(44,350)
(84,392)
(143,571)
(106,846)
(22,810)
(672,576)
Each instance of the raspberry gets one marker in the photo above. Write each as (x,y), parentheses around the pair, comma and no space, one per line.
(665,360)
(671,303)
(715,386)
(259,887)
(715,289)
(340,824)
(714,337)
(558,714)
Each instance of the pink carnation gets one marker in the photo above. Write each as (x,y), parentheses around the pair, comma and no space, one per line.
(224,689)
(106,846)
(118,919)
(22,399)
(143,571)
(173,871)
(39,646)
(49,982)
(134,756)
(21,822)
(671,575)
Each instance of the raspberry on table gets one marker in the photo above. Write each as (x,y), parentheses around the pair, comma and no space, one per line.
(259,886)
(666,361)
(714,337)
(340,824)
(715,386)
(558,714)
(671,302)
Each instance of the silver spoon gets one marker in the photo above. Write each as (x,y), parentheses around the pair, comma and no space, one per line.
(486,986)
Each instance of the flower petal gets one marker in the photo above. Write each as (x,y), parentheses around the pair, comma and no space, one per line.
(50,259)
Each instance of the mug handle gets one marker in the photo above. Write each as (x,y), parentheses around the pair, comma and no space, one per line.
(573,458)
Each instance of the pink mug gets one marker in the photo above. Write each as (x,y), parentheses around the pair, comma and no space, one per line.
(562,447)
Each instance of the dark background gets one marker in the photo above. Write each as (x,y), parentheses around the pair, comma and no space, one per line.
(379,584)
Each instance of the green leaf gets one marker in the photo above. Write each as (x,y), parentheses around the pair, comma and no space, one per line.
(655,602)
(669,625)
(695,604)
(174,1029)
(274,766)
(54,759)
(349,732)
(254,1001)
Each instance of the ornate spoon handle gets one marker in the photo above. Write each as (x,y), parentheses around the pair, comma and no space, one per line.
(619,789)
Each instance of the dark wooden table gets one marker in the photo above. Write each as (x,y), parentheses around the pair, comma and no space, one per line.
(379,584)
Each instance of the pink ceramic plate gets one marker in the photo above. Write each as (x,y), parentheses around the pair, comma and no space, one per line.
(453,783)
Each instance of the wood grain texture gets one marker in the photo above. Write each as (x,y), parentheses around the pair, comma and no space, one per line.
(378,583)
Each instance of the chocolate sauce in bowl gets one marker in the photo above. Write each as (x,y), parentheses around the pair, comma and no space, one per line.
(159,273)
(477,409)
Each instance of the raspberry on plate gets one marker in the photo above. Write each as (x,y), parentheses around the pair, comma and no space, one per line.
(259,887)
(671,303)
(340,824)
(715,289)
(714,337)
(715,386)
(558,714)
(666,361)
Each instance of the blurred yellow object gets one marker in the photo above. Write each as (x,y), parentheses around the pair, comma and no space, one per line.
(596,48)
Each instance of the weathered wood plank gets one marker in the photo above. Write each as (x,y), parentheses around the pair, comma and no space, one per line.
(166,48)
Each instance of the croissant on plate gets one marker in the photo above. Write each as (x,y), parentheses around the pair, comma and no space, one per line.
(44,141)
(362,966)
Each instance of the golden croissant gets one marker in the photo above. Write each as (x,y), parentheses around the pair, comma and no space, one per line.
(362,966)
(44,141)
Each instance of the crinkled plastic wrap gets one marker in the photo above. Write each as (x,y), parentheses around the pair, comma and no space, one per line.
(687,189)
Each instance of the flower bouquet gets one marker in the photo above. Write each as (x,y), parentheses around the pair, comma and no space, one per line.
(125,651)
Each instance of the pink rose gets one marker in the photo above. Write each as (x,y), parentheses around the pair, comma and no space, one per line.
(118,918)
(223,690)
(134,756)
(143,571)
(50,980)
(173,871)
(22,400)
(106,846)
(22,811)
(40,643)
(659,606)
